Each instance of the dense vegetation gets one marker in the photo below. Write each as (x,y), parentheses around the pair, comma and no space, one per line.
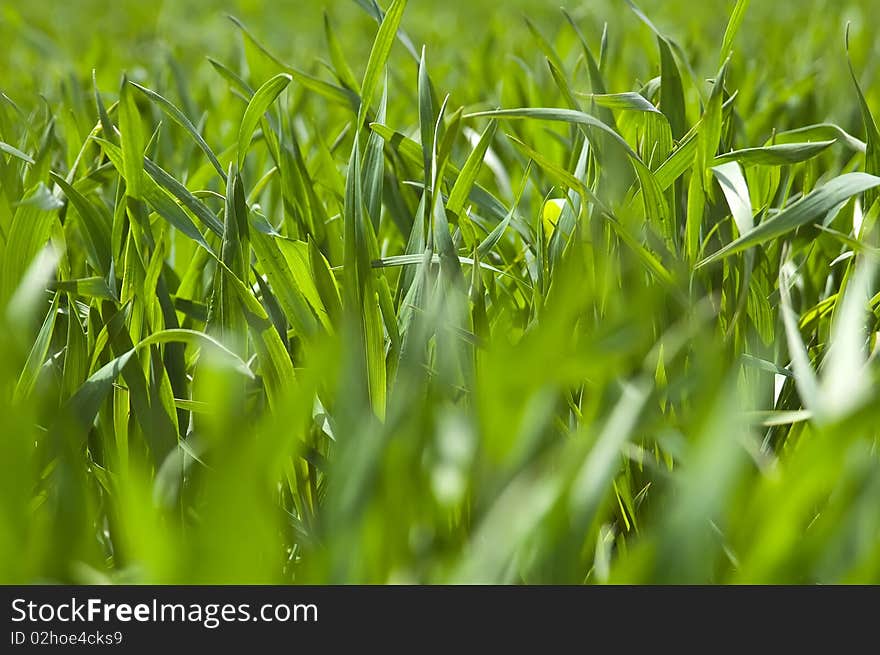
(545,300)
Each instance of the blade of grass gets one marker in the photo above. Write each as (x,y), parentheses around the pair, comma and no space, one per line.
(801,212)
(180,118)
(259,105)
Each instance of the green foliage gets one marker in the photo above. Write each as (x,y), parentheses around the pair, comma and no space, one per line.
(575,298)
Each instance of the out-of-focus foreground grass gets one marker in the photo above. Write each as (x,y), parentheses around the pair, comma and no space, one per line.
(460,292)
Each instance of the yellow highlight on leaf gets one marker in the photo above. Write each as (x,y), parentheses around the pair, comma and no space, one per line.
(550,214)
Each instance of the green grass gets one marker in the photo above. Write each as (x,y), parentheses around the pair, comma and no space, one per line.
(293,298)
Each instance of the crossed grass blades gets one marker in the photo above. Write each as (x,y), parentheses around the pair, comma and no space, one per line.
(294,324)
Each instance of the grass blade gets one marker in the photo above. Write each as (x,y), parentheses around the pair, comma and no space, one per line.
(379,55)
(733,25)
(180,118)
(799,213)
(132,141)
(258,106)
(775,155)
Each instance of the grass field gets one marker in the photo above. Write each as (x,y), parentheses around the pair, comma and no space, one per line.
(329,292)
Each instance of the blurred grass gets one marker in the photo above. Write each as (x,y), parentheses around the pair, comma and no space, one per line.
(343,340)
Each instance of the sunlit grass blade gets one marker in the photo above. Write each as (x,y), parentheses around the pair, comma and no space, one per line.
(630,101)
(465,180)
(15,152)
(259,105)
(654,203)
(95,228)
(774,155)
(733,25)
(180,118)
(379,56)
(872,139)
(38,353)
(340,64)
(132,141)
(799,213)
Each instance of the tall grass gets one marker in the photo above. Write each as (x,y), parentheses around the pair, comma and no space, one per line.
(555,302)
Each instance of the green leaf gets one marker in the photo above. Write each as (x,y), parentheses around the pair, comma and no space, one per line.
(275,364)
(339,95)
(655,204)
(804,375)
(360,306)
(487,244)
(801,212)
(373,9)
(872,138)
(696,208)
(820,132)
(88,287)
(412,260)
(597,82)
(736,191)
(226,317)
(88,398)
(379,55)
(38,353)
(427,119)
(284,285)
(234,80)
(29,232)
(629,101)
(563,85)
(597,471)
(465,180)
(671,90)
(710,128)
(86,402)
(845,375)
(374,167)
(95,228)
(42,198)
(180,118)
(774,155)
(258,106)
(159,199)
(332,92)
(296,253)
(76,353)
(337,57)
(559,174)
(733,25)
(132,141)
(544,45)
(412,152)
(187,199)
(15,152)
(325,283)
